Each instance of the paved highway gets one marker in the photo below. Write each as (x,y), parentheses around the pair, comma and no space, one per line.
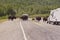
(28,30)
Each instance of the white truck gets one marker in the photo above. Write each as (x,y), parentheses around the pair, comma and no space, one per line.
(54,16)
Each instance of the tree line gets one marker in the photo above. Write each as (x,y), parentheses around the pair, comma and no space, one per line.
(31,7)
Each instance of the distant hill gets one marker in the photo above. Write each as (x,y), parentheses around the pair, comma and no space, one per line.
(30,6)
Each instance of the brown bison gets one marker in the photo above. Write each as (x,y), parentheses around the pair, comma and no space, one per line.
(45,18)
(24,17)
(38,18)
(11,17)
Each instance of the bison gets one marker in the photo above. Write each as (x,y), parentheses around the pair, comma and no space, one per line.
(38,18)
(24,17)
(45,18)
(11,17)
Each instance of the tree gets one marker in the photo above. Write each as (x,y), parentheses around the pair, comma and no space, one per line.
(11,12)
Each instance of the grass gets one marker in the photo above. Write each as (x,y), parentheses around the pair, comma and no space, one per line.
(41,15)
(3,20)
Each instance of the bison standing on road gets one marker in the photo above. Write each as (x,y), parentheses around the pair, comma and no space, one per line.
(11,17)
(45,18)
(24,17)
(38,18)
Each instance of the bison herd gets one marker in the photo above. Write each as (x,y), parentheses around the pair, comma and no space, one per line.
(38,18)
(25,17)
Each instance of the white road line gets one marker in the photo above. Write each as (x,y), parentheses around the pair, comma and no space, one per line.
(23,31)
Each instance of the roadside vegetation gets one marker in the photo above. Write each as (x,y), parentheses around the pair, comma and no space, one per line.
(3,18)
(32,7)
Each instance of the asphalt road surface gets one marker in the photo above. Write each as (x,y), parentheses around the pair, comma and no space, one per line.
(28,30)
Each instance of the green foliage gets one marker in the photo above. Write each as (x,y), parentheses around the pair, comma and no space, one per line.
(11,12)
(2,12)
(30,7)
